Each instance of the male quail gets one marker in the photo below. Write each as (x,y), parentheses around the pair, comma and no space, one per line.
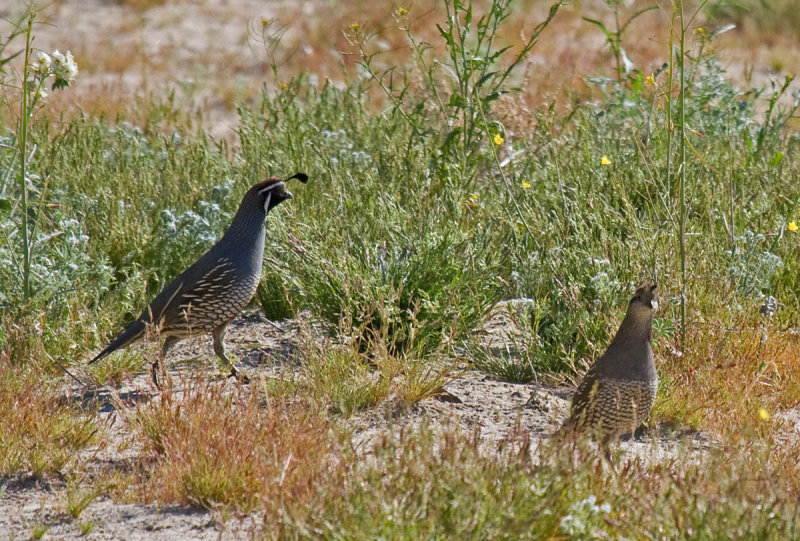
(617,393)
(210,293)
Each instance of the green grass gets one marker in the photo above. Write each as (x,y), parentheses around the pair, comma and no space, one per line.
(388,236)
(419,485)
(772,15)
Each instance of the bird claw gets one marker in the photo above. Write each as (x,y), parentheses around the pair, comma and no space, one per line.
(243,378)
(154,374)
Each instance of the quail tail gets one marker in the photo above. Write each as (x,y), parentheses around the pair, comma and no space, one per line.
(133,332)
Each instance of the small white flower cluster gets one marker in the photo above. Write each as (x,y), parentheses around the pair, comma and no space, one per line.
(61,66)
(583,517)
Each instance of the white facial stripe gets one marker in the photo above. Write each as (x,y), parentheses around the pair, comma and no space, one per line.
(266,202)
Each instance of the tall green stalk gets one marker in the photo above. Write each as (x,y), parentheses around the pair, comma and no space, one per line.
(22,142)
(682,133)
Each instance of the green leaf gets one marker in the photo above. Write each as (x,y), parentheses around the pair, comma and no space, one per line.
(8,59)
(5,204)
(448,37)
(485,78)
(499,52)
(600,25)
(494,95)
(459,101)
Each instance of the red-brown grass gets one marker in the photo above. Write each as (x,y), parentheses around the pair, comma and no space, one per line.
(40,432)
(725,376)
(211,445)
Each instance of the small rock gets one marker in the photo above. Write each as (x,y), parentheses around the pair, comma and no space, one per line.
(444,396)
(536,403)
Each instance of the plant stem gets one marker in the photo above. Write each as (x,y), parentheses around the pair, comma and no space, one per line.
(618,44)
(23,158)
(731,191)
(503,175)
(682,218)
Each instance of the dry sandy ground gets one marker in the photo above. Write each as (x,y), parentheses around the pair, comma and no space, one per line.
(471,401)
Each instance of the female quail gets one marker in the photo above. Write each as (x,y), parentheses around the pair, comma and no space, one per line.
(617,393)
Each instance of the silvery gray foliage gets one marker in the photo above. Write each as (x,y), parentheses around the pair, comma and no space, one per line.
(341,151)
(753,266)
(194,230)
(62,262)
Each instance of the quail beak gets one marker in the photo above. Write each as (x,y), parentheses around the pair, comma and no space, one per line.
(283,193)
(277,191)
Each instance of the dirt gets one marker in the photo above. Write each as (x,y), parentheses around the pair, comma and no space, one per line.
(28,507)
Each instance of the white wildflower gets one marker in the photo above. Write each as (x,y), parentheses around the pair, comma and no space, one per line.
(583,518)
(64,66)
(58,59)
(71,68)
(41,64)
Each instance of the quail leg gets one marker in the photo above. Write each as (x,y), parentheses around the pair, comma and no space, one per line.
(218,334)
(158,365)
(608,455)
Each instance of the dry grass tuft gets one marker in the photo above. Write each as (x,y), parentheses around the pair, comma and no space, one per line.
(213,446)
(39,432)
(725,376)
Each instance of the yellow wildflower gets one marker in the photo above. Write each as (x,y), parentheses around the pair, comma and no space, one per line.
(284,85)
(763,414)
(473,196)
(793,226)
(699,30)
(264,21)
(498,139)
(355,27)
(605,160)
(526,184)
(402,12)
(650,80)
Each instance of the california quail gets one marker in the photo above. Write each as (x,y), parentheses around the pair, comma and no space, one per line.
(209,294)
(617,393)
